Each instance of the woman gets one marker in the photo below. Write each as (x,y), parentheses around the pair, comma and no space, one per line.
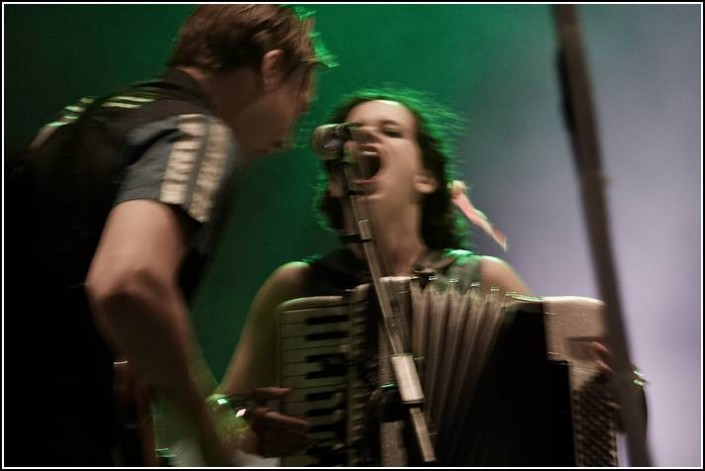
(408,196)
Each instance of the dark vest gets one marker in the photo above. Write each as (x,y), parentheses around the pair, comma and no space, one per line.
(64,189)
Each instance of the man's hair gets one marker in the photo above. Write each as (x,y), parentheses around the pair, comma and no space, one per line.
(226,37)
(441,227)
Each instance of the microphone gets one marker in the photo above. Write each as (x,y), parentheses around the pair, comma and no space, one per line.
(328,140)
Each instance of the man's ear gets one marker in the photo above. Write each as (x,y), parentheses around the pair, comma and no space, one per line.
(272,69)
(425,183)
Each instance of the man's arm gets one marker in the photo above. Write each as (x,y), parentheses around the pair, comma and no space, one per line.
(133,289)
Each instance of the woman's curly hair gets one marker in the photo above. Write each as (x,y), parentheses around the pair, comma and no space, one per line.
(440,227)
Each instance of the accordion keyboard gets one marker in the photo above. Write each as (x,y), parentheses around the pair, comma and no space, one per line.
(320,339)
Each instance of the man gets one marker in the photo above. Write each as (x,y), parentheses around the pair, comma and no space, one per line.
(113,213)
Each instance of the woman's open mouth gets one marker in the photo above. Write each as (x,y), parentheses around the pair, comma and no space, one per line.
(368,163)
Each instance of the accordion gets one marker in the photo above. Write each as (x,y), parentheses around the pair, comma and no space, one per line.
(507,381)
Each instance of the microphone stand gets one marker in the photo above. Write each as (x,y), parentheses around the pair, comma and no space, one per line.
(402,362)
(577,100)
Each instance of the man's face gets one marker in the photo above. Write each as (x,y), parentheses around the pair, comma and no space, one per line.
(268,122)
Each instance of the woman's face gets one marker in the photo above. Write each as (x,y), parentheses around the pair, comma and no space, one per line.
(387,152)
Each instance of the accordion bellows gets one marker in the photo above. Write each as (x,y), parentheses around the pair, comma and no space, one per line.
(507,381)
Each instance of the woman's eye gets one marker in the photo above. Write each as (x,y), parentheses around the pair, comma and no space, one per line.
(392,132)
